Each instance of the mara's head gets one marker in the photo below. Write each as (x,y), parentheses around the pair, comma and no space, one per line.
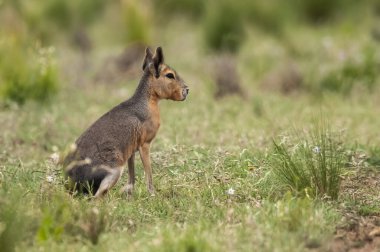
(165,83)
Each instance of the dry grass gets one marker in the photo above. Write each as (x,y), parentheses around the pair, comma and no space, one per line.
(215,190)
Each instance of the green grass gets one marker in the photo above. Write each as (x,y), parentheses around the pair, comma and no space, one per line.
(223,27)
(191,210)
(312,164)
(222,184)
(369,210)
(136,25)
(27,73)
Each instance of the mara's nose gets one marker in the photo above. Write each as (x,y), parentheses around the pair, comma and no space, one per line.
(185,92)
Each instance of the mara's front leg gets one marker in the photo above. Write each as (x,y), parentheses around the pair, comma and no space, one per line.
(144,154)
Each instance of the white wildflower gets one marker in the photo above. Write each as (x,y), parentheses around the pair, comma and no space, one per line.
(54,157)
(231,191)
(317,149)
(50,179)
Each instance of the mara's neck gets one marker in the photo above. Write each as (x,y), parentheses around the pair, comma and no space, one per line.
(143,91)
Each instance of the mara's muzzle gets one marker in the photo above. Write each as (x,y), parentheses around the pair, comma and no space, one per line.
(185,92)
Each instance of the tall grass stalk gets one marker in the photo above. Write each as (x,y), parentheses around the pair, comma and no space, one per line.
(312,165)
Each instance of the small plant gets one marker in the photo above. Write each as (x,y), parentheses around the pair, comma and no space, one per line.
(45,20)
(191,8)
(312,166)
(317,10)
(311,219)
(185,239)
(292,213)
(27,74)
(374,156)
(15,223)
(223,26)
(136,25)
(369,210)
(353,72)
(53,222)
(93,223)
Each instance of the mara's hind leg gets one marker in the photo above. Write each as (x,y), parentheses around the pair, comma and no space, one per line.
(131,176)
(113,175)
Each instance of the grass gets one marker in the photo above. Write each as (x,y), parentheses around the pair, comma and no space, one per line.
(136,24)
(27,78)
(312,165)
(195,163)
(191,212)
(362,72)
(192,209)
(221,181)
(223,27)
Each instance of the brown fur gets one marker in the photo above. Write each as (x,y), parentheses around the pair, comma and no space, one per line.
(107,145)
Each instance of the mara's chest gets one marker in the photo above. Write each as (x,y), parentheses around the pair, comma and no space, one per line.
(152,124)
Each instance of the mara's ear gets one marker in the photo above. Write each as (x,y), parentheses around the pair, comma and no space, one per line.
(148,58)
(158,59)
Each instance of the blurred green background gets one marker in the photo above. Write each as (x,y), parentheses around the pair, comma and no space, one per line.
(260,73)
(311,45)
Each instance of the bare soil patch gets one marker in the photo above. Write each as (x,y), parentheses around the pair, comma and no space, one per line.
(359,229)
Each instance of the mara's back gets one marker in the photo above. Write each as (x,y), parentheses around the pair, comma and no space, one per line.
(112,138)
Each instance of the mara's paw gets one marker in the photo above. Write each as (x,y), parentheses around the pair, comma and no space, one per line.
(127,190)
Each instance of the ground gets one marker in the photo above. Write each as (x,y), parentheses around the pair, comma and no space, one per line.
(359,229)
(211,158)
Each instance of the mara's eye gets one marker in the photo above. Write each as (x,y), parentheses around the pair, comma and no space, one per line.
(170,75)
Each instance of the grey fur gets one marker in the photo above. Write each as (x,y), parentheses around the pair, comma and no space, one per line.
(110,142)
